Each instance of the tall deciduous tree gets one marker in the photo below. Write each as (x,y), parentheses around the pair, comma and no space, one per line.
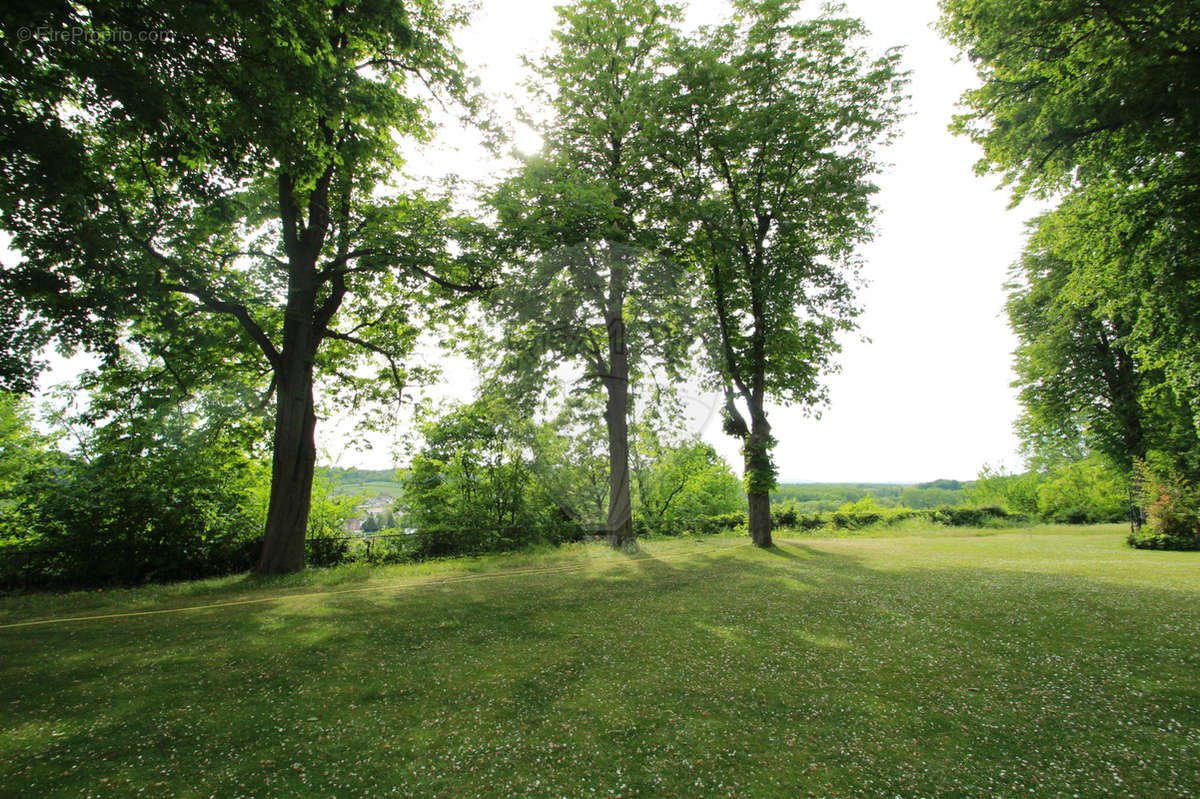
(175,161)
(775,121)
(1082,386)
(1079,384)
(1100,99)
(586,284)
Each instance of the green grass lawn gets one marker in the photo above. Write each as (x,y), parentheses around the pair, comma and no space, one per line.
(1049,662)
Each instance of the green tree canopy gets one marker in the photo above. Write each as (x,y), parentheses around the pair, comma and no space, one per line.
(475,485)
(228,181)
(1078,91)
(684,481)
(24,454)
(774,121)
(1096,102)
(586,283)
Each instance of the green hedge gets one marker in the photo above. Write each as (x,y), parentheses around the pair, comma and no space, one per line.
(79,560)
(792,519)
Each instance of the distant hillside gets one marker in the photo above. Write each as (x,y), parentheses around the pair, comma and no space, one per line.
(371,482)
(809,497)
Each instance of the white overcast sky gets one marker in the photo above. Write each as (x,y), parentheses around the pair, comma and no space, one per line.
(929,396)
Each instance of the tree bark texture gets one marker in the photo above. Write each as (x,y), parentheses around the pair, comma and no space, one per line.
(295,452)
(759,472)
(616,410)
(620,507)
(292,466)
(760,519)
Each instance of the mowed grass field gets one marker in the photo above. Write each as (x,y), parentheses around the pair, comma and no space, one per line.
(1044,662)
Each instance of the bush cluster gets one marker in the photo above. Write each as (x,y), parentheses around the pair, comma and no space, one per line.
(119,520)
(1172,506)
(405,546)
(701,525)
(1087,491)
(179,508)
(423,544)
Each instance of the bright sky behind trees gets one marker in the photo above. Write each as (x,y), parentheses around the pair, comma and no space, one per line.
(929,395)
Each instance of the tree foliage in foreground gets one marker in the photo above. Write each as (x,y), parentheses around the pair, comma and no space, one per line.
(1083,386)
(144,496)
(230,183)
(1098,103)
(774,123)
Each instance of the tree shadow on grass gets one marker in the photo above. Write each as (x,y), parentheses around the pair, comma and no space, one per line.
(893,666)
(788,554)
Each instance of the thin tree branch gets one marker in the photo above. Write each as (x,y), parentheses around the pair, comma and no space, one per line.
(370,347)
(234,309)
(270,392)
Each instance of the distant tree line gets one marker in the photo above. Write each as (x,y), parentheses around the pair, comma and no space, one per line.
(1074,492)
(830,496)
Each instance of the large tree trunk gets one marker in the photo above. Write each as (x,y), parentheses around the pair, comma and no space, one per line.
(760,519)
(292,465)
(620,507)
(759,466)
(616,412)
(294,455)
(760,474)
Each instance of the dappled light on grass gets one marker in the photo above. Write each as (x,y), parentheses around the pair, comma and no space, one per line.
(842,667)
